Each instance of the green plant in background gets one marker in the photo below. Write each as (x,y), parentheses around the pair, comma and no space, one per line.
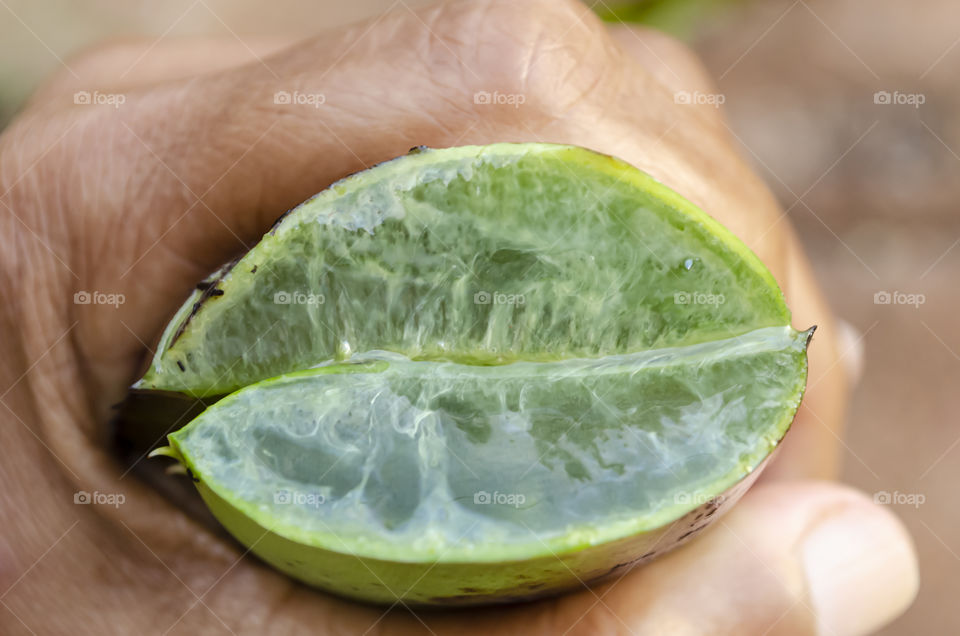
(677,17)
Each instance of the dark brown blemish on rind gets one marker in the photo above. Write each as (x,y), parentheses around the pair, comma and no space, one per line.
(180,364)
(273,228)
(208,289)
(620,566)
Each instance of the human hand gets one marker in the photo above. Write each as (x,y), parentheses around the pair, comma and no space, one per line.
(145,199)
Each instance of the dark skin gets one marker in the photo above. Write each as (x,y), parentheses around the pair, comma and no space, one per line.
(146,199)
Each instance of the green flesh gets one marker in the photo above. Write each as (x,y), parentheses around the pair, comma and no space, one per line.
(537,324)
(579,254)
(388,460)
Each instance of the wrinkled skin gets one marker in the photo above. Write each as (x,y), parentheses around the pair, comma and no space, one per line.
(148,198)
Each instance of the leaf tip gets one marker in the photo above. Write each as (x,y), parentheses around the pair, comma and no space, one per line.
(165,451)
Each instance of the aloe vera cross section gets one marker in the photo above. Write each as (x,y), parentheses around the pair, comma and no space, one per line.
(473,255)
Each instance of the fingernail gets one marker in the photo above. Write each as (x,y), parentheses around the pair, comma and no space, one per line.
(851,348)
(861,569)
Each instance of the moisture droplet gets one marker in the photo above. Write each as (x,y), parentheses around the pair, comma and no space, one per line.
(688,264)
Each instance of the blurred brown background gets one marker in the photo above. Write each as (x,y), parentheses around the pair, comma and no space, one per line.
(878,186)
(825,98)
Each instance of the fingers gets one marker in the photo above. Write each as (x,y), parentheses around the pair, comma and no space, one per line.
(791,558)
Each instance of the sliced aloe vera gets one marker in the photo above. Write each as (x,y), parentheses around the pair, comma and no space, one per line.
(461,483)
(478,255)
(480,374)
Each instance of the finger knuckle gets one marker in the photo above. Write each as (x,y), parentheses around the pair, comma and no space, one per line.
(550,52)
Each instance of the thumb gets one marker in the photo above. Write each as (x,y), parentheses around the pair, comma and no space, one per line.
(790,558)
(800,557)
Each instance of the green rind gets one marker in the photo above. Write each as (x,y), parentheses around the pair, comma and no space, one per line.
(459,584)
